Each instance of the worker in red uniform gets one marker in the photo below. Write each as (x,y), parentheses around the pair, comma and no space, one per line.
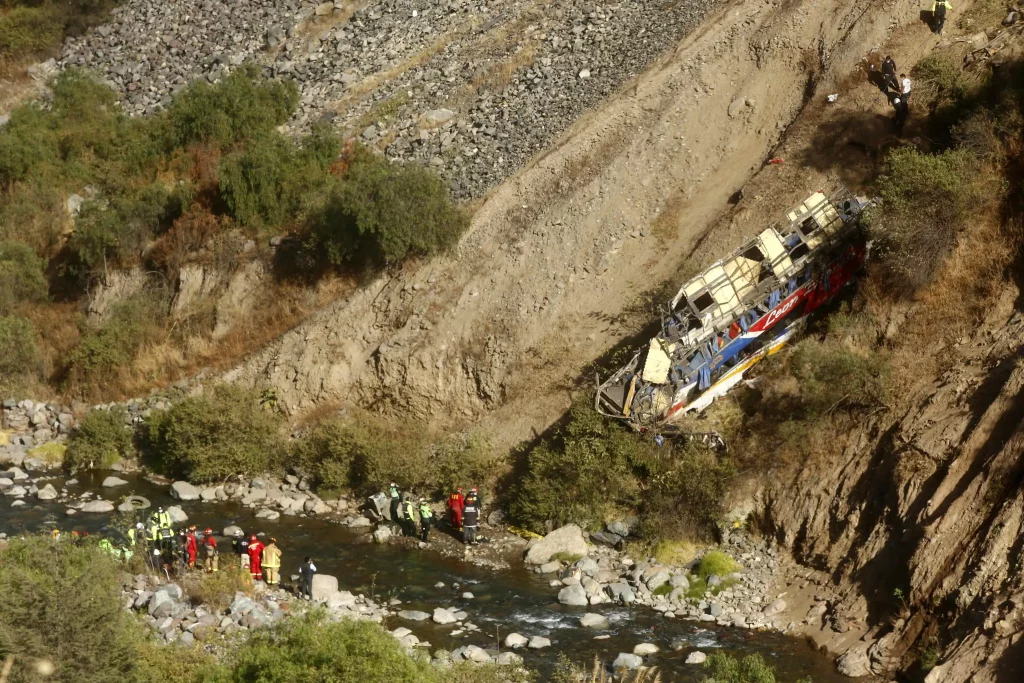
(456,503)
(191,547)
(256,558)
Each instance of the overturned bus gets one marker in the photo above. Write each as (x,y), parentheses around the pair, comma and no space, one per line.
(738,311)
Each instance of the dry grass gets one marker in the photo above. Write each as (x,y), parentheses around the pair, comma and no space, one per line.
(217,590)
(497,76)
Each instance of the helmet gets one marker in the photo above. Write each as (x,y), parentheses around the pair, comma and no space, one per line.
(423,500)
(160,509)
(192,528)
(473,490)
(208,531)
(138,525)
(459,489)
(252,539)
(273,540)
(239,534)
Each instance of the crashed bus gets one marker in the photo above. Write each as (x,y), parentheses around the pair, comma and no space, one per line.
(738,311)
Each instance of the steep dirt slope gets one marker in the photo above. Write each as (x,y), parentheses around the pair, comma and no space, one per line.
(558,255)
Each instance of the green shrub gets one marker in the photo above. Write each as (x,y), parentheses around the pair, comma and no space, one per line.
(716,562)
(725,668)
(384,212)
(272,180)
(461,460)
(327,452)
(113,231)
(221,433)
(27,141)
(29,31)
(239,107)
(22,276)
(312,649)
(928,199)
(113,343)
(590,468)
(831,373)
(101,439)
(20,357)
(62,604)
(159,663)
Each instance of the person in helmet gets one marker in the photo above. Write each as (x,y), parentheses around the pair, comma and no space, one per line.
(136,533)
(396,501)
(210,554)
(471,517)
(191,547)
(426,516)
(271,562)
(241,547)
(255,558)
(456,503)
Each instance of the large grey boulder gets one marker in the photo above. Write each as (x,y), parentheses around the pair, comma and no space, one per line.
(444,616)
(538,642)
(588,566)
(619,527)
(232,531)
(98,506)
(855,663)
(776,607)
(324,586)
(568,539)
(381,534)
(176,514)
(160,598)
(696,657)
(46,493)
(15,474)
(413,615)
(472,653)
(573,595)
(515,641)
(508,659)
(679,581)
(182,490)
(111,482)
(606,538)
(628,661)
(591,620)
(644,649)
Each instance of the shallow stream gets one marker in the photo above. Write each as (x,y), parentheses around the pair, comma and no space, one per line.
(504,601)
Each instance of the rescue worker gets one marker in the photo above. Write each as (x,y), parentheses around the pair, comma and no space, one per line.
(163,518)
(255,558)
(272,562)
(939,9)
(905,89)
(106,545)
(307,570)
(396,501)
(211,555)
(241,546)
(408,518)
(456,503)
(191,547)
(471,517)
(136,533)
(426,515)
(154,530)
(888,74)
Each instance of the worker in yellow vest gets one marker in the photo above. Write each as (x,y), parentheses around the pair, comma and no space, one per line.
(271,563)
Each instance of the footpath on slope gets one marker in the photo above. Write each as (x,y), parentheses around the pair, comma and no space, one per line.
(559,258)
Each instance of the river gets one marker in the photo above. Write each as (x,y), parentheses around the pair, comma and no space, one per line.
(513,600)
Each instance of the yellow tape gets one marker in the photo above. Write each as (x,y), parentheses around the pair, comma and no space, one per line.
(523,532)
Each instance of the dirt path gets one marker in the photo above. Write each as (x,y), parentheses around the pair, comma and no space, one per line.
(553,271)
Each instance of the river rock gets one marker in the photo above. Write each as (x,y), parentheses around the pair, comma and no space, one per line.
(324,586)
(588,566)
(98,506)
(696,657)
(645,649)
(776,607)
(160,598)
(515,641)
(606,538)
(341,599)
(176,514)
(619,527)
(592,620)
(855,663)
(182,490)
(658,579)
(242,604)
(14,474)
(413,615)
(679,580)
(550,567)
(573,595)
(472,653)
(268,514)
(381,534)
(508,659)
(208,494)
(567,539)
(232,531)
(5,482)
(538,642)
(628,661)
(46,493)
(444,616)
(111,482)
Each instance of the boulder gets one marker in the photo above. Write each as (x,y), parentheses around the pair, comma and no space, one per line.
(550,567)
(515,641)
(573,595)
(776,607)
(413,615)
(171,589)
(182,490)
(567,539)
(696,657)
(606,538)
(242,604)
(538,642)
(628,661)
(679,581)
(591,620)
(208,494)
(341,599)
(268,514)
(443,616)
(160,598)
(324,586)
(176,514)
(98,506)
(619,527)
(472,653)
(588,566)
(15,474)
(508,659)
(714,581)
(644,649)
(111,482)
(381,534)
(855,663)
(232,530)
(46,493)
(658,579)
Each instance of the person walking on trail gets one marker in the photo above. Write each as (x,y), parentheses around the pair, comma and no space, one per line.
(905,89)
(939,9)
(307,570)
(471,517)
(426,515)
(241,546)
(888,74)
(210,553)
(396,502)
(255,558)
(272,562)
(456,503)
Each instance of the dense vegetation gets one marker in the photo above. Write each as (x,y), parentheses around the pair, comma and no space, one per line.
(86,191)
(34,29)
(101,439)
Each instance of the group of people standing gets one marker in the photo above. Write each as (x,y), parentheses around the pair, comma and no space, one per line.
(463,513)
(897,90)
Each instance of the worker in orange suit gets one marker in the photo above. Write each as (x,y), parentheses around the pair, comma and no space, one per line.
(456,504)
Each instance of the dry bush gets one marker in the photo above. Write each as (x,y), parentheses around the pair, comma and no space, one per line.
(217,590)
